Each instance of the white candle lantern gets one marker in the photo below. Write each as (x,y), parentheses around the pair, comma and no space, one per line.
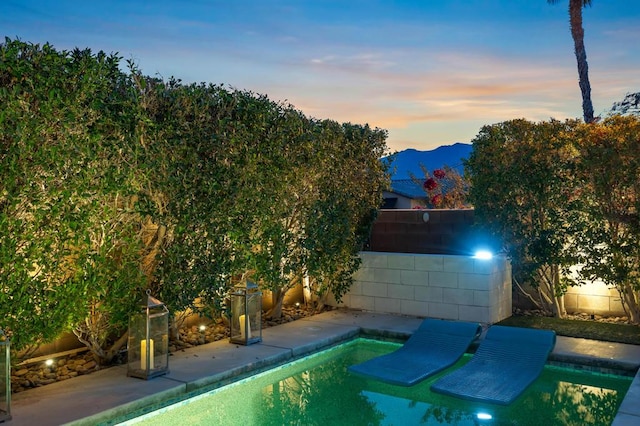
(246,314)
(148,345)
(5,378)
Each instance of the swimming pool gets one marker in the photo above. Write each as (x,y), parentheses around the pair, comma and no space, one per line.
(318,390)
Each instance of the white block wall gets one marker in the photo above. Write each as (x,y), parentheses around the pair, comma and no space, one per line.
(435,286)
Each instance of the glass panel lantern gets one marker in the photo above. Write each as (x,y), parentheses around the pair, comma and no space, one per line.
(148,346)
(246,314)
(5,378)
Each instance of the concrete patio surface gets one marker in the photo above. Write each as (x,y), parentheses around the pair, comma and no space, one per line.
(108,393)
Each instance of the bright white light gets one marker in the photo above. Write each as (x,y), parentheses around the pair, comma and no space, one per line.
(483,254)
(484,416)
(203,327)
(48,362)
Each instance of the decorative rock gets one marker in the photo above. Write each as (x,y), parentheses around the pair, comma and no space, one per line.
(21,372)
(36,375)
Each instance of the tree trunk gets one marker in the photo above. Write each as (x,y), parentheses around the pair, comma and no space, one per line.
(536,303)
(558,298)
(630,302)
(101,355)
(115,348)
(277,298)
(548,289)
(577,32)
(560,308)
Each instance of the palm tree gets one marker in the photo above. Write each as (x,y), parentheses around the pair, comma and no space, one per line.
(577,32)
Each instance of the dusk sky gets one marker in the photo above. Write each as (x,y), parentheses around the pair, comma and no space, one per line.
(430,72)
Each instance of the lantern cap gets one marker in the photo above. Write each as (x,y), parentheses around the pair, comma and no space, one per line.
(249,285)
(152,302)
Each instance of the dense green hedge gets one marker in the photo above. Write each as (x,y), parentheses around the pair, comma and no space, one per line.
(113,182)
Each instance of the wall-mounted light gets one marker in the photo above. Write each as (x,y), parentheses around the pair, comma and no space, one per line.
(484,416)
(203,327)
(48,362)
(483,255)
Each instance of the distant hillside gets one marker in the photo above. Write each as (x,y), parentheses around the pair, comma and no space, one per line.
(630,105)
(409,160)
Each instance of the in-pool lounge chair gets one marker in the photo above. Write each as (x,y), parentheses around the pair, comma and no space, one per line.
(436,345)
(506,362)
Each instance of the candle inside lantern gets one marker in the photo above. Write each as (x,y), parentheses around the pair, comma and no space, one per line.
(143,354)
(242,329)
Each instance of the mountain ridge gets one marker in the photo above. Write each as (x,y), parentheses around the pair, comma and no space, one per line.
(407,162)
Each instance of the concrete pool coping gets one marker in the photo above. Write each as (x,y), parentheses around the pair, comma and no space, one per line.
(108,393)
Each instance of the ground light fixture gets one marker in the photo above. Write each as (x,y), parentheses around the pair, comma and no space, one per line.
(148,344)
(245,326)
(5,377)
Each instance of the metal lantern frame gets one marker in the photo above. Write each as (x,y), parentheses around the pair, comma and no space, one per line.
(245,326)
(148,344)
(5,377)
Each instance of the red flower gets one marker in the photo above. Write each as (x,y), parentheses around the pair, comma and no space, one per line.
(439,173)
(430,184)
(436,200)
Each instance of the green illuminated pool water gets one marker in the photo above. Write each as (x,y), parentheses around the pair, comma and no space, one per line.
(318,390)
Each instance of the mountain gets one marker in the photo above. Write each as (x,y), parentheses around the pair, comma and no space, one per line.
(630,105)
(408,161)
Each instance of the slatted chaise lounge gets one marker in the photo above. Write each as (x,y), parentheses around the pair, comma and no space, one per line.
(506,362)
(436,345)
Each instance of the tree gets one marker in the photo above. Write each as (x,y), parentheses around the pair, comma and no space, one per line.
(68,246)
(522,186)
(609,240)
(351,182)
(322,205)
(577,33)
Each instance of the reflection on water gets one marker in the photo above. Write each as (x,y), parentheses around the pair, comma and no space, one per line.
(320,391)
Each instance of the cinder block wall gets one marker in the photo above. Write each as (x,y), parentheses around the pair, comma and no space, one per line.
(593,298)
(453,232)
(410,231)
(437,286)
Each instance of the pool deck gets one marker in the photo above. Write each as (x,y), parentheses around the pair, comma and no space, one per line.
(95,398)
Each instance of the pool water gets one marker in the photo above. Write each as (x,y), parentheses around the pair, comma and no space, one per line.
(318,390)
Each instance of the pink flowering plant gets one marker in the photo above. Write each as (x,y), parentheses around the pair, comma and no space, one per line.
(445,188)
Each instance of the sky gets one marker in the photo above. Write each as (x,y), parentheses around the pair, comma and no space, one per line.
(431,73)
